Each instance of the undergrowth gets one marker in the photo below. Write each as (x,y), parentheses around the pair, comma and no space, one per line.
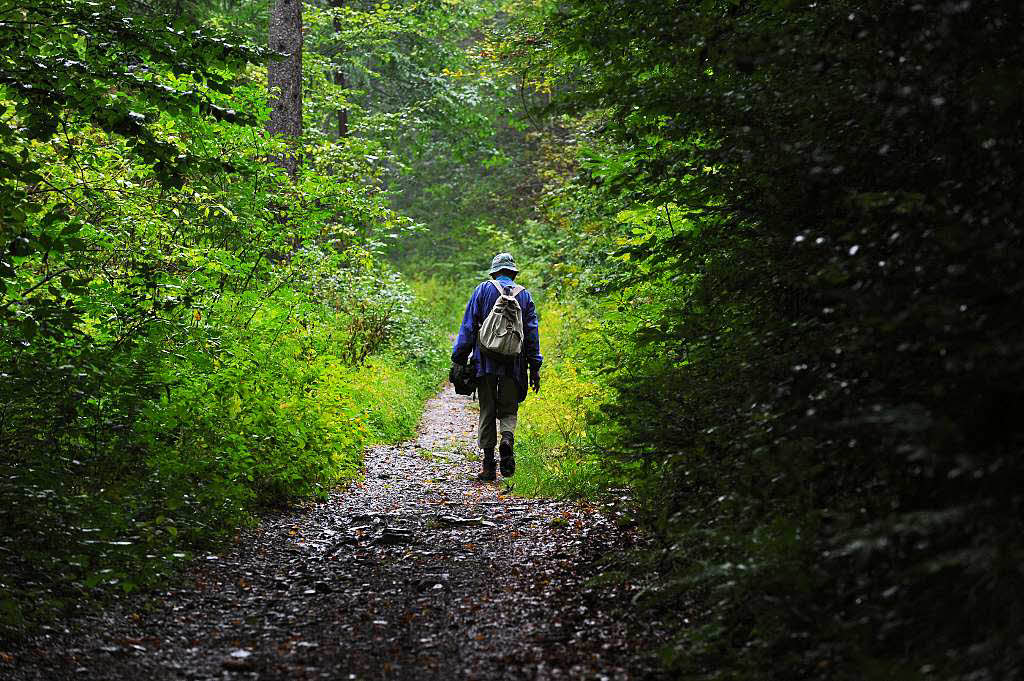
(244,421)
(557,443)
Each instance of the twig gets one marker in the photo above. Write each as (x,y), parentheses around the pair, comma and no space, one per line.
(44,280)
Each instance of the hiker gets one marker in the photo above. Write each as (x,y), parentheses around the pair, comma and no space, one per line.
(501,378)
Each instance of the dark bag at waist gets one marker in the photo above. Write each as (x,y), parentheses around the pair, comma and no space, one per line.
(463,378)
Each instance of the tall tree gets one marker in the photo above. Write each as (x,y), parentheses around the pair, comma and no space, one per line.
(339,76)
(284,78)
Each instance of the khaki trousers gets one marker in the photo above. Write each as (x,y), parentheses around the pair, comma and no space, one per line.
(499,399)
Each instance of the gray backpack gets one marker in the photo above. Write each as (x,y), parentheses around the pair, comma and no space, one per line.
(501,334)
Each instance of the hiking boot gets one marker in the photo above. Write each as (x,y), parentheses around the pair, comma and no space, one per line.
(508,456)
(488,474)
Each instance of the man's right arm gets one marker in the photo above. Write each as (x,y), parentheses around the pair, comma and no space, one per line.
(467,333)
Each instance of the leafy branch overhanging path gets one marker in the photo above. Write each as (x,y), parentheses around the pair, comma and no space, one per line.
(418,573)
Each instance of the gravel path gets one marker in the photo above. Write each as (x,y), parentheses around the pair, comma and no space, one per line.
(420,572)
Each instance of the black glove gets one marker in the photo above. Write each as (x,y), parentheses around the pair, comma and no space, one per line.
(535,379)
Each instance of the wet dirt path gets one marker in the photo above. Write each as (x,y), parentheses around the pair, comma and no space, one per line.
(420,572)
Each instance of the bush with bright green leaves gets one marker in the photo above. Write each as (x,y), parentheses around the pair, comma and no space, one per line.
(187,335)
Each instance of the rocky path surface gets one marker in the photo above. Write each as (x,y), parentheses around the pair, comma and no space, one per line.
(418,573)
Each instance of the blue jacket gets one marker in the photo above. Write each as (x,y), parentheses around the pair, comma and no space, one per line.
(480,304)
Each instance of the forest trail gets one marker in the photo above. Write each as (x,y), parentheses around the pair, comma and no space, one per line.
(420,572)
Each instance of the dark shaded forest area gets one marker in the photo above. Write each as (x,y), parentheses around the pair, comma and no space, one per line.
(776,247)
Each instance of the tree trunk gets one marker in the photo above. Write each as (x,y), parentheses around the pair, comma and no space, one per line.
(284,78)
(339,77)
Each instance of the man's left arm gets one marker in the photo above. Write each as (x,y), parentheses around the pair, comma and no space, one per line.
(531,342)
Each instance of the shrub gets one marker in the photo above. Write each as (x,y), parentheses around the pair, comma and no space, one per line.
(238,419)
(557,441)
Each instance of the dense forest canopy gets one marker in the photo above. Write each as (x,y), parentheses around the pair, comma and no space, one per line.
(778,246)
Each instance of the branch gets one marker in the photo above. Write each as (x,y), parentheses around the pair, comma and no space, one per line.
(43,281)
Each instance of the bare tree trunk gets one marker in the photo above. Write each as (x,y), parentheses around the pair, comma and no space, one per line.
(284,78)
(339,77)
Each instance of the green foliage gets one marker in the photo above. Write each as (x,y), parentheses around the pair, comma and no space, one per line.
(560,433)
(186,335)
(800,223)
(440,299)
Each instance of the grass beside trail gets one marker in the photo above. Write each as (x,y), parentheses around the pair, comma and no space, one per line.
(555,456)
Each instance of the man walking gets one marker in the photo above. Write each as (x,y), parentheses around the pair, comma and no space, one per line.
(502,381)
